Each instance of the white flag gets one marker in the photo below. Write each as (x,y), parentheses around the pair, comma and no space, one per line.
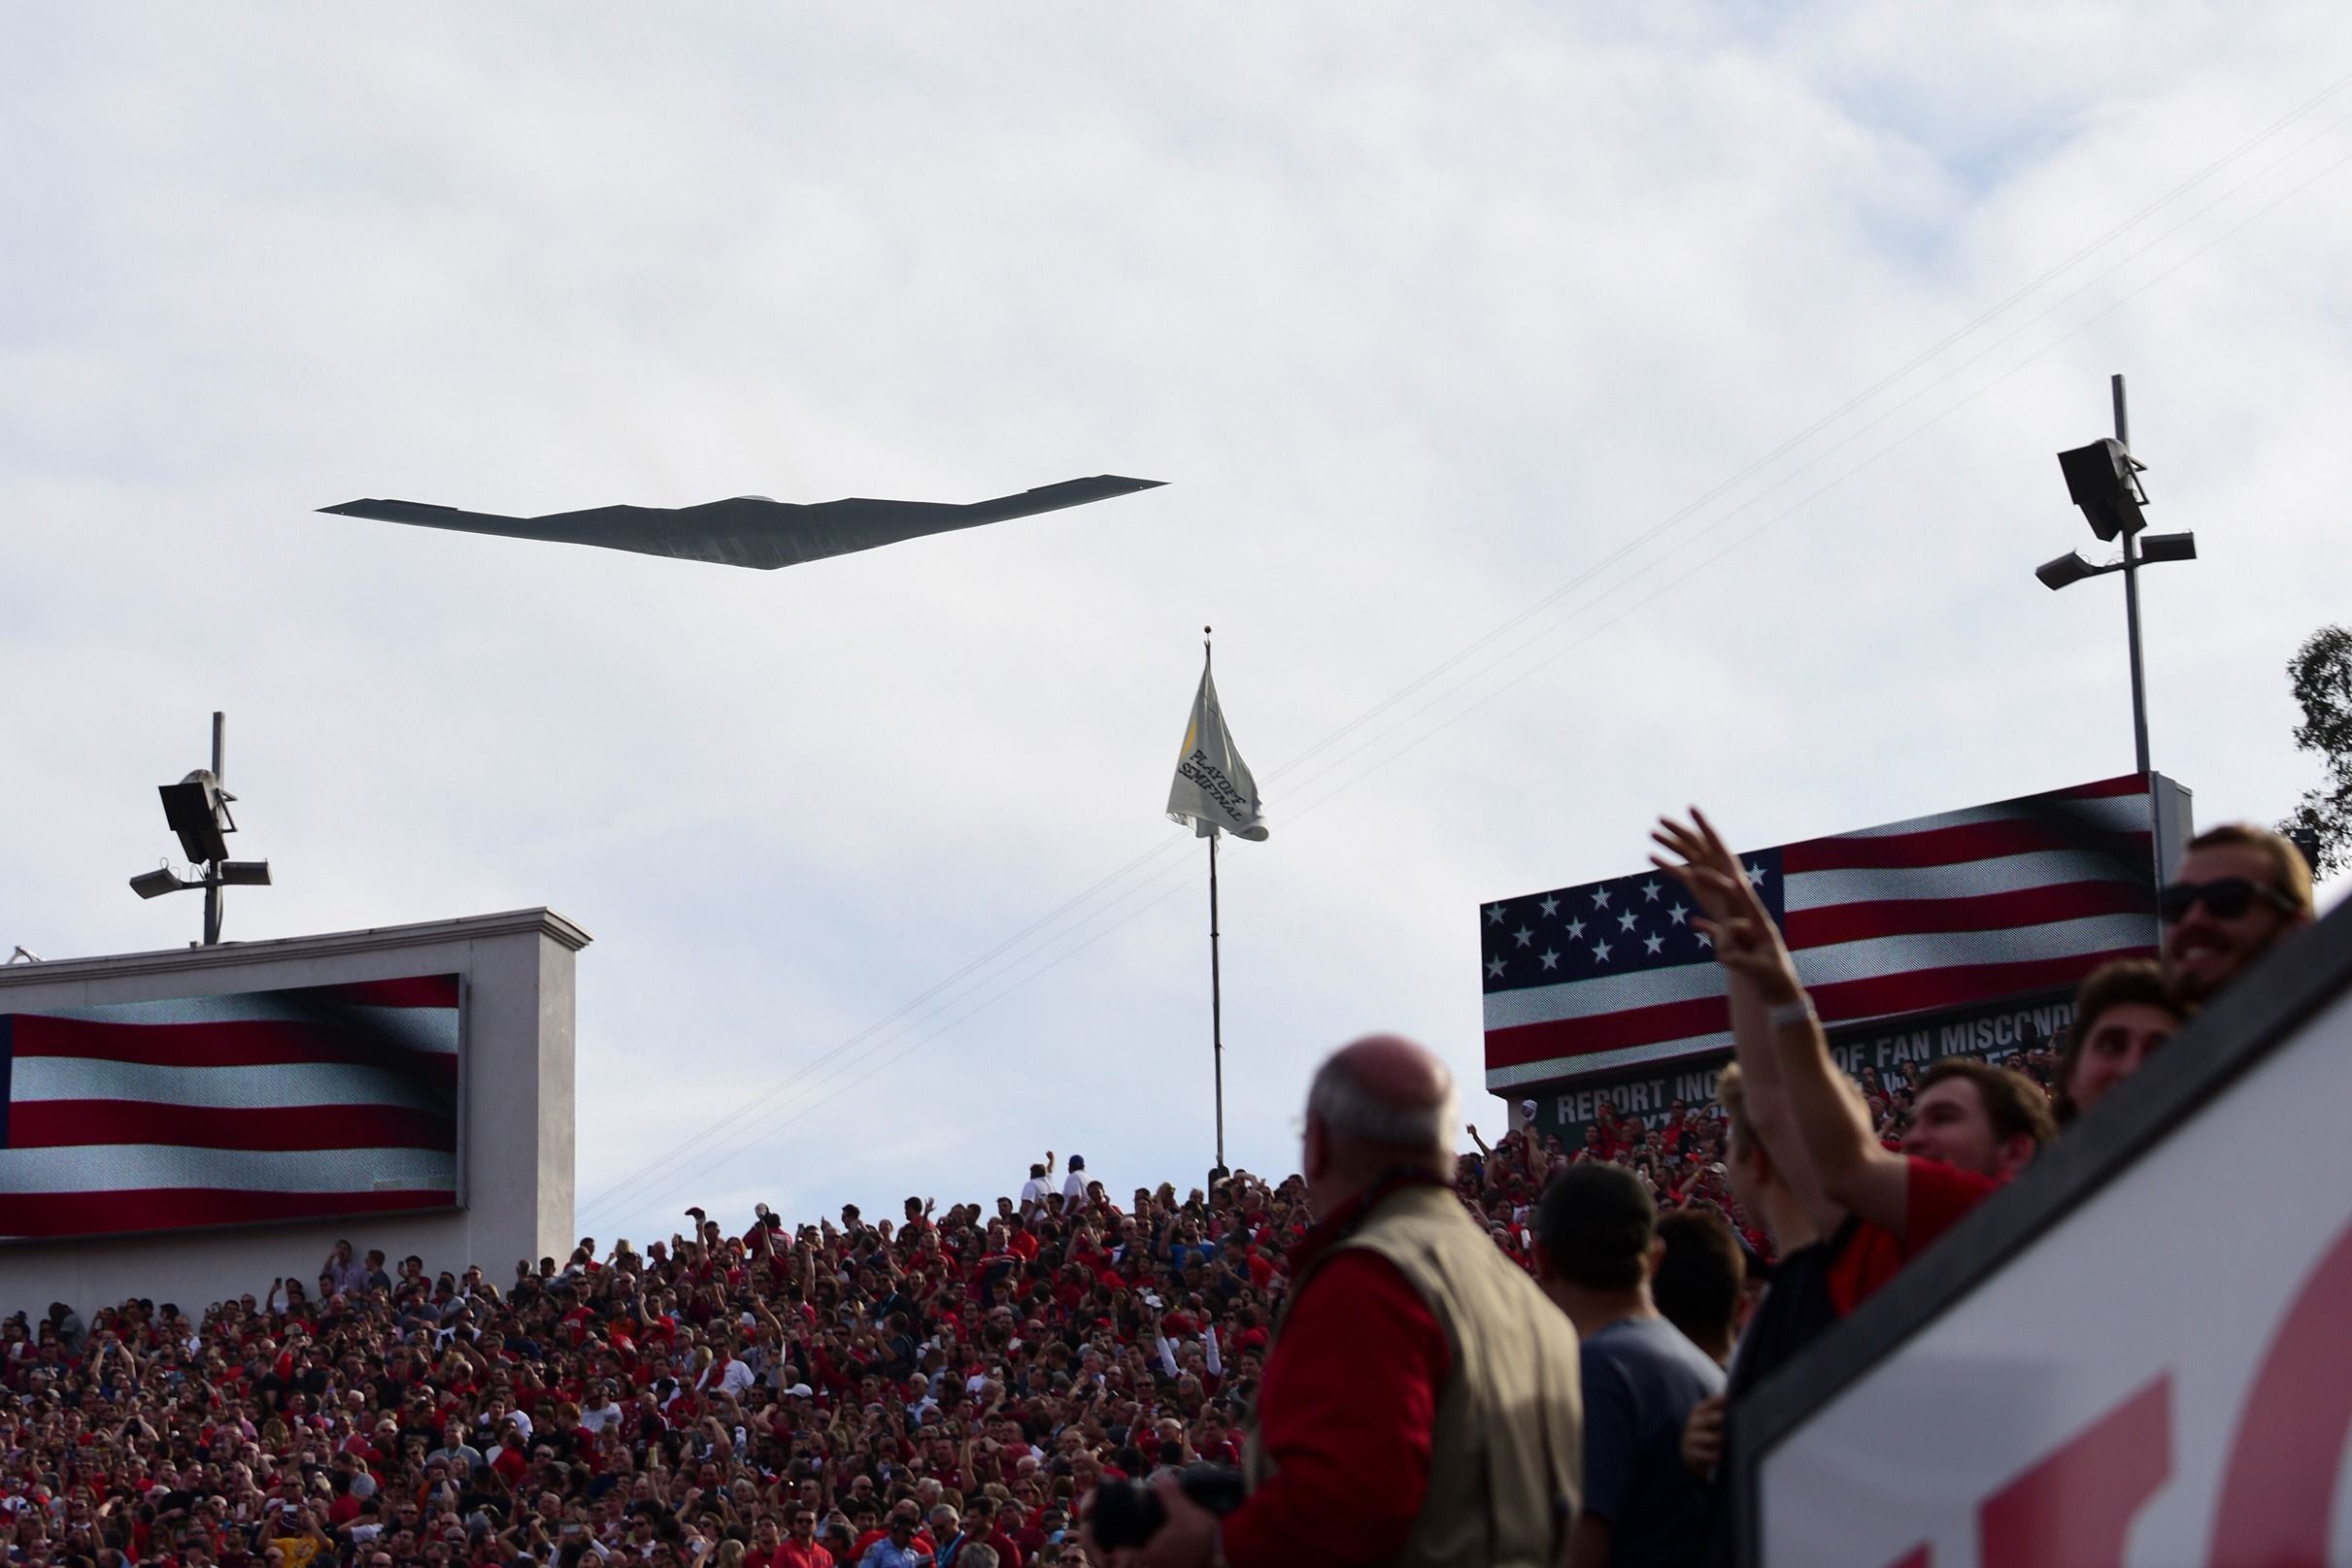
(1213,786)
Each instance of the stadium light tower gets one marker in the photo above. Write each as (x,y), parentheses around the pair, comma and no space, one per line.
(2104,479)
(197,809)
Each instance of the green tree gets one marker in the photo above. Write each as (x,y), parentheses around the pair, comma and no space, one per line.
(2321,676)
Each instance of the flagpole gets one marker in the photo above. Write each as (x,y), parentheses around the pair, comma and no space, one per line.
(1216,982)
(1215,1002)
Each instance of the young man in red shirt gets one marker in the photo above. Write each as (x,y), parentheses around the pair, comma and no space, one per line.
(799,1548)
(983,1526)
(1975,1127)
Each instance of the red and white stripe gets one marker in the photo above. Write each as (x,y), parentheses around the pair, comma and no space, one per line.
(221,1110)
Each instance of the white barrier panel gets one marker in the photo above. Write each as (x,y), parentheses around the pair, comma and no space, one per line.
(2140,1355)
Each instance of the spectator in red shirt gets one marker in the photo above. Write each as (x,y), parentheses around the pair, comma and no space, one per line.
(1349,1412)
(512,1462)
(1619,1133)
(982,1525)
(767,1537)
(1974,1125)
(799,1548)
(1670,1137)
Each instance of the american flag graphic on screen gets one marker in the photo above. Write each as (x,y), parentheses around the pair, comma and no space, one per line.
(225,1110)
(1938,912)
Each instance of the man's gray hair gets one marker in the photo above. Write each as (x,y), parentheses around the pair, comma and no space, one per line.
(977,1555)
(1351,1111)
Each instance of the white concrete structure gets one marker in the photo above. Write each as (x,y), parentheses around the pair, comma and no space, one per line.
(517,1141)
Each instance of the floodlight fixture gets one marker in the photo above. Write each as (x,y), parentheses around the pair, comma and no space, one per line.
(158,881)
(197,809)
(2104,479)
(23,955)
(2068,570)
(2181,547)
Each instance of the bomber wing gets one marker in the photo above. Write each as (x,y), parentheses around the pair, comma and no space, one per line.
(751,530)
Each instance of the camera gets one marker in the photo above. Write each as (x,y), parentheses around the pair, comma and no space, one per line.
(1128,1513)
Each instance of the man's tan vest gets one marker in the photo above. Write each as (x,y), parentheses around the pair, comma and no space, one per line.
(1506,1459)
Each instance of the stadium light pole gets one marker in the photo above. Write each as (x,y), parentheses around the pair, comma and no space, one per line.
(197,808)
(212,887)
(2103,480)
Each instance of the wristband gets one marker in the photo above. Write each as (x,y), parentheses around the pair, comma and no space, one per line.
(1781,1015)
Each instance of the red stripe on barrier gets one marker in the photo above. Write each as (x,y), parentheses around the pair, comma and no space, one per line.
(1947,845)
(420,990)
(2123,784)
(1608,1031)
(98,1214)
(1963,984)
(74,1123)
(1983,912)
(244,1043)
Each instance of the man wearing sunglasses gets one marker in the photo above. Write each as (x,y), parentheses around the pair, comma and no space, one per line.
(800,1549)
(2240,889)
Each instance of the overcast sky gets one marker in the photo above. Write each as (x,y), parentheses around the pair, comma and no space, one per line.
(1733,341)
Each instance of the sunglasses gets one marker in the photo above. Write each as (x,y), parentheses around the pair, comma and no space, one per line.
(2227,898)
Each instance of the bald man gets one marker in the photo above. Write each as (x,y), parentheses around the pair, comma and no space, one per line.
(1420,1398)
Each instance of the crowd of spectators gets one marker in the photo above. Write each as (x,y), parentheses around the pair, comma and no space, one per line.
(749,1399)
(777,1397)
(1679,1161)
(714,1400)
(769,1398)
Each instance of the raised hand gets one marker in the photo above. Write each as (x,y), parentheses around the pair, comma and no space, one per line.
(1706,867)
(1734,918)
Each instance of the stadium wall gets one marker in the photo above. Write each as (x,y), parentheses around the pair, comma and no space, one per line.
(516,1144)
